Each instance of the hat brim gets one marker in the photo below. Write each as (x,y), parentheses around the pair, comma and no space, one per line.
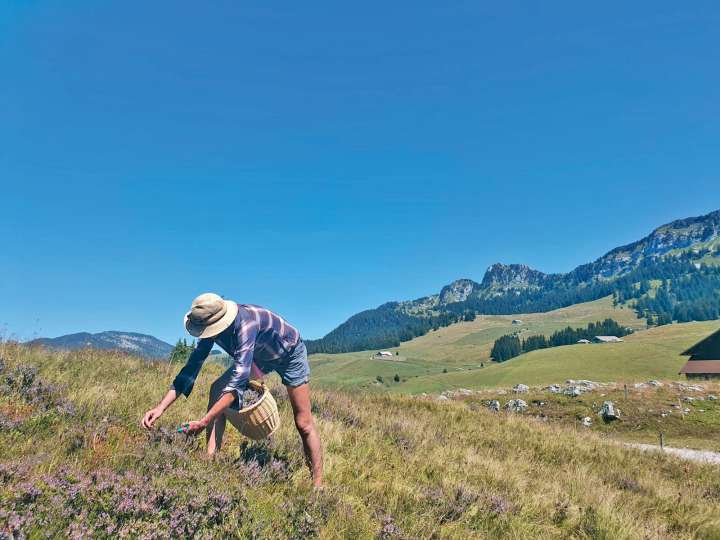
(212,330)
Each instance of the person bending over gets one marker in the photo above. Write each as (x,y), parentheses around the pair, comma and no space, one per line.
(254,337)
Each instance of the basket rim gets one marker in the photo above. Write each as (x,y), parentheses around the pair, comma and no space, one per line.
(256,385)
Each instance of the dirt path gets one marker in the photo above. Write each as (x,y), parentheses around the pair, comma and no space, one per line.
(701,456)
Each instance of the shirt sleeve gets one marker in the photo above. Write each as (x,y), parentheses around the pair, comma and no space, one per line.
(185,380)
(243,363)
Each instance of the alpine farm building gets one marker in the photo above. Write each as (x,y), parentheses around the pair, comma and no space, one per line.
(704,360)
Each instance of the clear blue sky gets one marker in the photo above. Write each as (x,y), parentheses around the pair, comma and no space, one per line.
(322,158)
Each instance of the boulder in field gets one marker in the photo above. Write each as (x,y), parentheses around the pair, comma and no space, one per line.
(609,412)
(655,384)
(587,421)
(516,405)
(493,405)
(554,389)
(521,388)
(573,391)
(712,397)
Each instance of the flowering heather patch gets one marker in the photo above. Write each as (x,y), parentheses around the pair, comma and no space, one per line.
(23,382)
(389,530)
(109,504)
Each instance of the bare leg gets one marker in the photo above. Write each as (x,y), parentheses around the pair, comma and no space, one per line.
(305,424)
(215,431)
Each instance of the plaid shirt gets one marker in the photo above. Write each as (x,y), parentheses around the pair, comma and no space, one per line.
(256,334)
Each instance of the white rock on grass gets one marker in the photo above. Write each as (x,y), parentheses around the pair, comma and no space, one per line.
(587,421)
(554,388)
(521,388)
(608,411)
(654,383)
(443,397)
(712,397)
(573,391)
(494,405)
(516,405)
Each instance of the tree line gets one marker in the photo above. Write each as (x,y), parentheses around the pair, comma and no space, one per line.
(510,346)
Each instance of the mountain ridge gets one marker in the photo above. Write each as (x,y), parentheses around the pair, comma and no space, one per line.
(130,342)
(518,288)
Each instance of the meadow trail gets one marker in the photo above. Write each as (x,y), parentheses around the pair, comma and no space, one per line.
(698,456)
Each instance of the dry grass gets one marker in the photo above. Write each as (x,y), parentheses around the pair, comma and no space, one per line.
(397,467)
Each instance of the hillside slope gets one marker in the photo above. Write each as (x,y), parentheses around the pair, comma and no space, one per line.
(648,354)
(683,255)
(74,461)
(459,347)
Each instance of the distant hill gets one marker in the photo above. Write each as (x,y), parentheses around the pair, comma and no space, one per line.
(131,342)
(672,274)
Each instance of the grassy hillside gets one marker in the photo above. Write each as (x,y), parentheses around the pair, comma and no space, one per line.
(459,348)
(647,354)
(74,461)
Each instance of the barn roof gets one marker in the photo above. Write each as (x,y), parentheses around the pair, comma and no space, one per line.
(701,366)
(707,349)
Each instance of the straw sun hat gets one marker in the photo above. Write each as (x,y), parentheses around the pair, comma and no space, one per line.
(209,315)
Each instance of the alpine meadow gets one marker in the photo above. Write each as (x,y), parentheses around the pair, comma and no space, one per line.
(359,270)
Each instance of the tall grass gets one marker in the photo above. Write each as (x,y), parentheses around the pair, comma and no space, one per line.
(75,460)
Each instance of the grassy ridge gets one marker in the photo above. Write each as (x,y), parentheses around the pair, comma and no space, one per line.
(397,467)
(459,348)
(649,354)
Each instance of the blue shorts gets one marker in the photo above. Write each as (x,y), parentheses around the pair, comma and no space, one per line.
(294,369)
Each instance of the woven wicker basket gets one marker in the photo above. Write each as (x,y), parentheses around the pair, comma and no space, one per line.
(261,419)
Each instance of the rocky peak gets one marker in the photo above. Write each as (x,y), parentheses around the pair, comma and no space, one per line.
(458,291)
(512,276)
(677,235)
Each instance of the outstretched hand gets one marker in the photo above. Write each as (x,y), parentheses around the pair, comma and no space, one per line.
(192,427)
(150,417)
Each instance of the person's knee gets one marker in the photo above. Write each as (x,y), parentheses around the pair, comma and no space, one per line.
(304,424)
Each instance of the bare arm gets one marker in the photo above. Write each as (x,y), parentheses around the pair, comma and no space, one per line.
(216,410)
(153,414)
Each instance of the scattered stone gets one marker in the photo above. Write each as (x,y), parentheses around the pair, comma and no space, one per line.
(501,392)
(464,392)
(639,385)
(686,410)
(443,397)
(573,391)
(516,405)
(521,388)
(587,421)
(689,387)
(588,385)
(664,414)
(654,383)
(712,397)
(609,412)
(554,388)
(688,399)
(494,405)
